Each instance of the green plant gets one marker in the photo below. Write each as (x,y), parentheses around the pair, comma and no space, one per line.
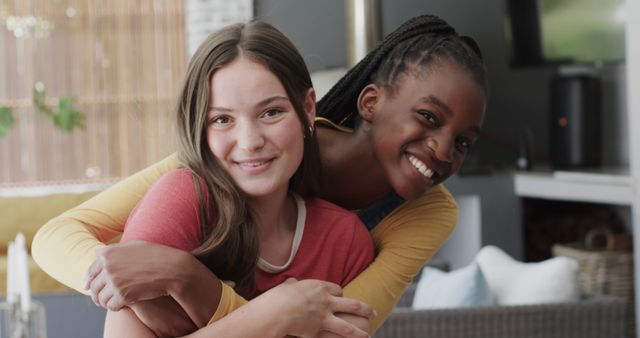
(6,120)
(66,118)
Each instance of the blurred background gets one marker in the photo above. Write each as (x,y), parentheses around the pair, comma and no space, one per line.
(87,90)
(120,63)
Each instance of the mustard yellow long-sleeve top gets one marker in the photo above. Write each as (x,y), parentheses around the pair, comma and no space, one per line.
(404,240)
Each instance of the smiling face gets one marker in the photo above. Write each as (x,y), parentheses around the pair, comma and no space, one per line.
(253,130)
(421,130)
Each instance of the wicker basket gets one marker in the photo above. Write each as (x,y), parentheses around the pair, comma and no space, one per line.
(602,271)
(605,271)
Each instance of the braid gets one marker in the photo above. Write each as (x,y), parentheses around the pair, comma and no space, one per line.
(417,39)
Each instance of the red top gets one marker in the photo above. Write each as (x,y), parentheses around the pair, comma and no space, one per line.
(335,245)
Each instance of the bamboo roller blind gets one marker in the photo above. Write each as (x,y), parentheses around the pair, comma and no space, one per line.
(122,60)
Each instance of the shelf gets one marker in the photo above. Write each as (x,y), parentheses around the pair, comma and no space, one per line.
(31,189)
(613,187)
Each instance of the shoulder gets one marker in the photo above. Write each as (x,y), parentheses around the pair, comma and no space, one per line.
(333,220)
(324,122)
(177,189)
(177,176)
(437,194)
(168,214)
(317,207)
(178,181)
(434,211)
(434,203)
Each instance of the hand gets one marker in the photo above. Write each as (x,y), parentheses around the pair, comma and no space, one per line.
(359,321)
(311,306)
(129,272)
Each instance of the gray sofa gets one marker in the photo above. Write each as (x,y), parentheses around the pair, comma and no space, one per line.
(591,318)
(74,315)
(71,315)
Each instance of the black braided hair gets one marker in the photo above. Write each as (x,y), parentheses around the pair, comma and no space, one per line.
(417,42)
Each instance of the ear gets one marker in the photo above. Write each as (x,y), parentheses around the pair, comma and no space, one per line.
(310,105)
(367,100)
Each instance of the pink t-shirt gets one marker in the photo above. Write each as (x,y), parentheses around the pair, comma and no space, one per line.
(335,246)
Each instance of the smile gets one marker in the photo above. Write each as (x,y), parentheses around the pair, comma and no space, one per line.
(253,164)
(421,167)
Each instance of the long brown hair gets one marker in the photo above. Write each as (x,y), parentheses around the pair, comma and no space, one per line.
(230,245)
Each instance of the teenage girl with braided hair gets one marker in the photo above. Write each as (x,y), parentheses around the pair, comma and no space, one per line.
(396,126)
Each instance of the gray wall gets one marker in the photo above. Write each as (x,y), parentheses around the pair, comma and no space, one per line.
(315,27)
(518,97)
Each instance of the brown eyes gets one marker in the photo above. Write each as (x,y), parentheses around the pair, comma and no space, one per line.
(430,117)
(219,120)
(272,112)
(223,119)
(462,144)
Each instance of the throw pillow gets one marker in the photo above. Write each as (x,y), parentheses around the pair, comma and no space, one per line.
(463,287)
(513,283)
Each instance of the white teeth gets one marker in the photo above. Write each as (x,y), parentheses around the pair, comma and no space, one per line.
(253,164)
(421,167)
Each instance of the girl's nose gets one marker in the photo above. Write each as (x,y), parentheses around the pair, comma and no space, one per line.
(249,137)
(442,147)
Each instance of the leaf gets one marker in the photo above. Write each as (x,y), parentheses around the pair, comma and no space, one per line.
(6,121)
(39,101)
(67,118)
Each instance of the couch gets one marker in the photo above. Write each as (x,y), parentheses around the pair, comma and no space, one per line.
(68,313)
(589,318)
(26,214)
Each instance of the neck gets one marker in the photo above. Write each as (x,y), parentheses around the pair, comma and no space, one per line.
(275,213)
(276,217)
(348,160)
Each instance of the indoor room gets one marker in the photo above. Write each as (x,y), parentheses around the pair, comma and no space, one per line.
(503,203)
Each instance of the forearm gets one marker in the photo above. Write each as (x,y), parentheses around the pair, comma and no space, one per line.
(297,308)
(156,313)
(164,316)
(196,289)
(124,323)
(254,319)
(76,234)
(62,241)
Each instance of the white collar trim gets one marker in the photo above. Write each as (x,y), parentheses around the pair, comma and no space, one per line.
(297,238)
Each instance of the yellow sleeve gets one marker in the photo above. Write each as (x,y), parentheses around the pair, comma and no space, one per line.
(64,247)
(405,240)
(229,302)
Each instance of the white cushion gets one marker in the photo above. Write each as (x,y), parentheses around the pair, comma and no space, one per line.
(463,287)
(512,282)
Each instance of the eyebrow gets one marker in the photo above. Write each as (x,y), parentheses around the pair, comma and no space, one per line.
(264,102)
(434,100)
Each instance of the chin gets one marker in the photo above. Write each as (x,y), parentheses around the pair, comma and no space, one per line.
(410,193)
(254,192)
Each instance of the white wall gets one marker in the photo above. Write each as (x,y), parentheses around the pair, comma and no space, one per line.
(205,16)
(500,216)
(466,240)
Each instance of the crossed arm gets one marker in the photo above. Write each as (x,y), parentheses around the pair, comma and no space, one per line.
(300,308)
(404,240)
